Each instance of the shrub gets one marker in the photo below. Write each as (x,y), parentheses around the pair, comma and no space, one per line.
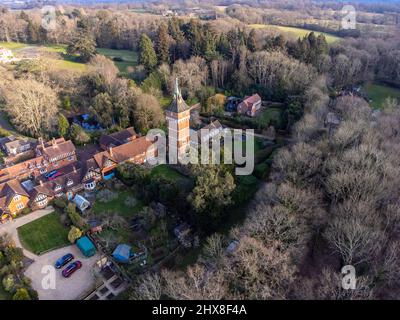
(26,211)
(4,270)
(60,203)
(21,294)
(74,234)
(8,283)
(261,171)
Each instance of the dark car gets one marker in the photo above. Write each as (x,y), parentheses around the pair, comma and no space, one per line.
(74,266)
(50,174)
(64,260)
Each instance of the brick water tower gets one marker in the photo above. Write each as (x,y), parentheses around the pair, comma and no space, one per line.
(178,119)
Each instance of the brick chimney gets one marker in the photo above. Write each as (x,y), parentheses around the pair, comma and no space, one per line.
(110,151)
(41,183)
(74,169)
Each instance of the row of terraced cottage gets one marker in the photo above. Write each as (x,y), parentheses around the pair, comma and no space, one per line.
(25,184)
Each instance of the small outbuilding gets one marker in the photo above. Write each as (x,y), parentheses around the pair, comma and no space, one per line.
(122,253)
(95,226)
(81,203)
(86,246)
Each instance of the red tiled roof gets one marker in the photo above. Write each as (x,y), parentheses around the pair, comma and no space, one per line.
(253,99)
(123,152)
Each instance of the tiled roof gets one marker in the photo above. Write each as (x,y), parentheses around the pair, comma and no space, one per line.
(178,104)
(123,152)
(59,149)
(8,190)
(117,138)
(253,99)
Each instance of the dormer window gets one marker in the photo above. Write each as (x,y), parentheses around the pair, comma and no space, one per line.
(70,182)
(57,188)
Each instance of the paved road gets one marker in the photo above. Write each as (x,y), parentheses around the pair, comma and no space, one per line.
(11,228)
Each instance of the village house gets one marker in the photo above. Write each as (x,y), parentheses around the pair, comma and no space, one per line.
(48,156)
(15,149)
(250,105)
(13,199)
(135,151)
(13,146)
(77,179)
(212,130)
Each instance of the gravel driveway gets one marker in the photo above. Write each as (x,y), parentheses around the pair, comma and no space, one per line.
(66,288)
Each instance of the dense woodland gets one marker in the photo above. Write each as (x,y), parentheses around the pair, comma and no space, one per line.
(332,196)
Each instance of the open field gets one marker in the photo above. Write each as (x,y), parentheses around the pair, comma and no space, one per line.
(298,32)
(43,234)
(378,93)
(65,62)
(129,58)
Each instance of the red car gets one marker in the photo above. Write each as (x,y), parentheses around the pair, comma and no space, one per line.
(55,176)
(68,271)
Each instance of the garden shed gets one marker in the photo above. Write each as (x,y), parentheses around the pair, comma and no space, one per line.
(81,203)
(86,246)
(122,253)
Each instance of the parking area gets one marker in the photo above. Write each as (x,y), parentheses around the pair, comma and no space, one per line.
(71,288)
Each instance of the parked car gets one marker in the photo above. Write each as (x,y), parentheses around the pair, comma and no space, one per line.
(55,176)
(64,260)
(50,174)
(74,266)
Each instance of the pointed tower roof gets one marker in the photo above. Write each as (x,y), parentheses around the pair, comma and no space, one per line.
(178,104)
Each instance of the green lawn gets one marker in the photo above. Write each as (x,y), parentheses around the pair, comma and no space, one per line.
(68,65)
(13,45)
(298,32)
(44,234)
(130,58)
(118,206)
(378,93)
(167,172)
(271,114)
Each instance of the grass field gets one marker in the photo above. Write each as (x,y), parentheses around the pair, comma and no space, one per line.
(377,93)
(130,58)
(65,62)
(118,206)
(298,32)
(13,45)
(44,234)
